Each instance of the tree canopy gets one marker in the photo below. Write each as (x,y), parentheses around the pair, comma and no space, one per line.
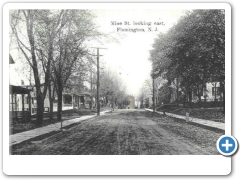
(193,50)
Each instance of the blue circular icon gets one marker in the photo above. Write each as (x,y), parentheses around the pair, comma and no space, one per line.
(227,145)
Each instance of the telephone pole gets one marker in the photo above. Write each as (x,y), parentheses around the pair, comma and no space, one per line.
(98,84)
(91,87)
(98,80)
(153,94)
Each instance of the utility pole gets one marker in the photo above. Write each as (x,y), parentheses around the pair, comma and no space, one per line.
(91,87)
(98,84)
(98,80)
(153,95)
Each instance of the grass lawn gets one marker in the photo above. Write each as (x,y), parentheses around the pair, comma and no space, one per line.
(20,126)
(214,114)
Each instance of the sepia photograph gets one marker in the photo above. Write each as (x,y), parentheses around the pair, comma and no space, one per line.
(114,81)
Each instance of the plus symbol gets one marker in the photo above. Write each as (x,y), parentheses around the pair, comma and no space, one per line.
(227,145)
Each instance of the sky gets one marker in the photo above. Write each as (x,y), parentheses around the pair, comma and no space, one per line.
(130,55)
(127,53)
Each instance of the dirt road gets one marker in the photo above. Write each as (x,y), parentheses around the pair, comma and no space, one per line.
(125,132)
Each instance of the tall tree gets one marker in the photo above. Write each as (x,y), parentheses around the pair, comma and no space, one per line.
(28,18)
(192,50)
(69,48)
(112,89)
(51,22)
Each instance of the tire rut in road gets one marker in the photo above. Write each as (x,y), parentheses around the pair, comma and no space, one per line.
(156,139)
(105,140)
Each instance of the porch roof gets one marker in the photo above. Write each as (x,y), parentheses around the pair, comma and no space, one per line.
(18,90)
(78,94)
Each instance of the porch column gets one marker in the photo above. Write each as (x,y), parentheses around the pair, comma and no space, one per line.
(12,103)
(23,105)
(15,105)
(22,102)
(11,114)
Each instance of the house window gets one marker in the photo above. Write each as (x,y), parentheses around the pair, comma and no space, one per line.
(215,89)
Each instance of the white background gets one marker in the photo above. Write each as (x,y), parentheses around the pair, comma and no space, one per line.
(235,124)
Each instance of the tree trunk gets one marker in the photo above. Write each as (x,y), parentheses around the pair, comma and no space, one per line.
(91,88)
(215,92)
(177,92)
(199,95)
(40,95)
(91,103)
(106,100)
(190,96)
(184,100)
(50,57)
(205,94)
(169,98)
(59,111)
(40,109)
(50,102)
(153,106)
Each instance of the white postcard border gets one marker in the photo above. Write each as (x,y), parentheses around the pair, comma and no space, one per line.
(114,165)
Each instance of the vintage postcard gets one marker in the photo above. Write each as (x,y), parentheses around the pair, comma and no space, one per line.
(119,79)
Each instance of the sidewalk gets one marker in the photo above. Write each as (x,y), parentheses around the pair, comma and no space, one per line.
(23,136)
(218,125)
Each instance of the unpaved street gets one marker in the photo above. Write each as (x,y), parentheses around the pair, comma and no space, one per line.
(126,132)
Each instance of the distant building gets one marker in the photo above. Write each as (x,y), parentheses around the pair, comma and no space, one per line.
(131,100)
(211,91)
